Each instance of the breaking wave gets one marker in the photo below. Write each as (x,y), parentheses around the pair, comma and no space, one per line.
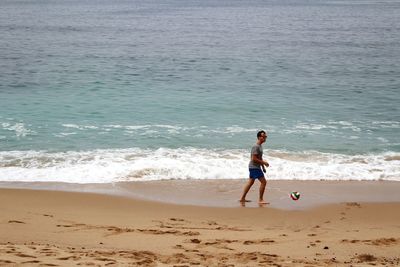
(135,164)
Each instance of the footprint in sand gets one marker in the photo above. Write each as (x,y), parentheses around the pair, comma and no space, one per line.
(22,255)
(260,241)
(173,232)
(350,241)
(69,258)
(217,243)
(177,219)
(366,258)
(353,204)
(6,262)
(375,242)
(35,261)
(15,221)
(385,241)
(71,225)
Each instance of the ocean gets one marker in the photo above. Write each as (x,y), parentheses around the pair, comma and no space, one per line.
(97,91)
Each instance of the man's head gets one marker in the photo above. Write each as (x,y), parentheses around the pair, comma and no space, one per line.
(262,136)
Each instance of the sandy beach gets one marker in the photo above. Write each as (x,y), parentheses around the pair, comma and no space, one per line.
(55,228)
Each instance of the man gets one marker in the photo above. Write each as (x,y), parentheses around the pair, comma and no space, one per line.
(257,168)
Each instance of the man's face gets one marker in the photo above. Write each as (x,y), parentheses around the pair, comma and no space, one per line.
(263,137)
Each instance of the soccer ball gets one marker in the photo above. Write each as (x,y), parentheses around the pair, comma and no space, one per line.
(295,195)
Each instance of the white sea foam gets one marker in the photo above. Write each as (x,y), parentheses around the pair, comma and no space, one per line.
(331,125)
(155,128)
(108,166)
(238,129)
(383,140)
(312,126)
(353,137)
(80,127)
(345,123)
(19,129)
(387,124)
(64,134)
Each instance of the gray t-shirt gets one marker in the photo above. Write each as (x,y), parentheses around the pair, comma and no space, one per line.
(255,150)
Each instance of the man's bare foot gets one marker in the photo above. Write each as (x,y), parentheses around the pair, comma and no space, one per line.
(244,200)
(262,202)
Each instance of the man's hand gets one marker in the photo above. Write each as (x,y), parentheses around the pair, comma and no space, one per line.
(266,164)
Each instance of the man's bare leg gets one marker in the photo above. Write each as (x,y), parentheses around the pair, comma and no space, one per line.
(246,190)
(262,190)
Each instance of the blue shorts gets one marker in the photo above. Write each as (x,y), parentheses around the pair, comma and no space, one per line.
(256,173)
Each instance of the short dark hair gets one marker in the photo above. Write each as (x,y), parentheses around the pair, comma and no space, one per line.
(260,133)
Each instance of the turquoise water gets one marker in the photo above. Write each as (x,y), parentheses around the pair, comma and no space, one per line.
(92,84)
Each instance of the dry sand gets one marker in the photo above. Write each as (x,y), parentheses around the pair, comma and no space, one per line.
(54,228)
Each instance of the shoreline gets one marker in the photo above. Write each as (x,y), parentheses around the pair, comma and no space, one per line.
(226,192)
(40,227)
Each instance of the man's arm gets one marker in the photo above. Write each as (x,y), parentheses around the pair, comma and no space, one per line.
(255,158)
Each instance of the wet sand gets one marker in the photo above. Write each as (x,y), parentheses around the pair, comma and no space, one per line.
(55,228)
(226,193)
